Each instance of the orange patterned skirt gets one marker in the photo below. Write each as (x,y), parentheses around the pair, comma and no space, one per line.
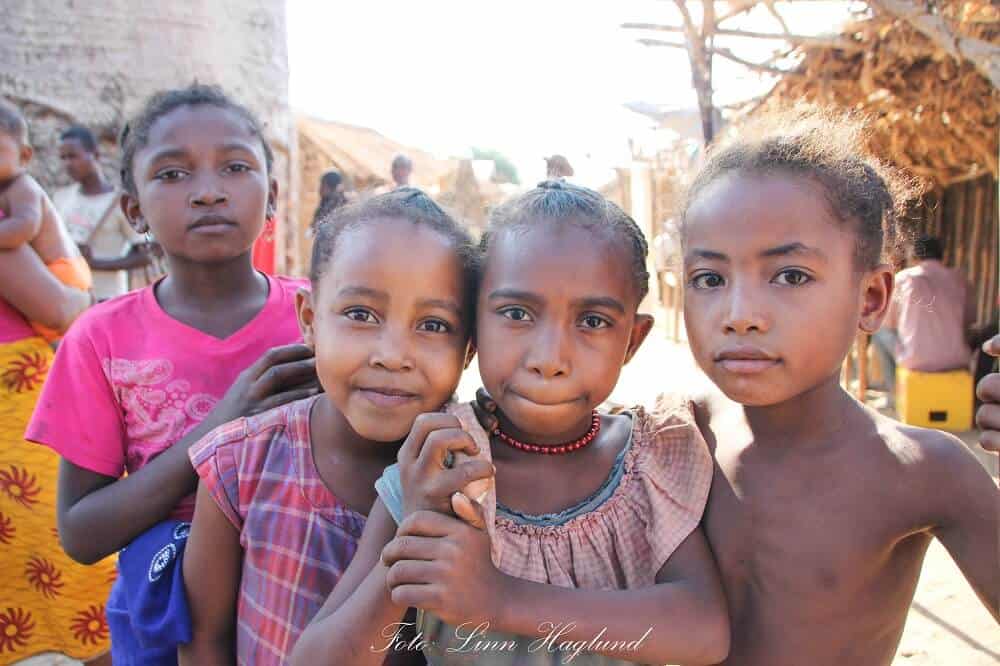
(48,602)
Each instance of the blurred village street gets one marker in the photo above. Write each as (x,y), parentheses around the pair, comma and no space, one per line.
(643,88)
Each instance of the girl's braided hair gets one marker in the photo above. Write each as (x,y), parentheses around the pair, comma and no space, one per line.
(558,200)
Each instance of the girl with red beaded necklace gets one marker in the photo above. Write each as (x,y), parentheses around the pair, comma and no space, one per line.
(584,544)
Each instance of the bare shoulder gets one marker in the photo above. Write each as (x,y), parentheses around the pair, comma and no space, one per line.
(936,464)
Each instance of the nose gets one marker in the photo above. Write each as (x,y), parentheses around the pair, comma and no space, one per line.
(208,192)
(392,350)
(744,313)
(548,357)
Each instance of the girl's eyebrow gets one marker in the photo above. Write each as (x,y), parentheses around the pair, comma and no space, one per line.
(795,248)
(443,303)
(514,295)
(712,255)
(170,153)
(599,302)
(363,292)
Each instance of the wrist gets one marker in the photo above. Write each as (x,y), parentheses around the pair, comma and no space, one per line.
(503,610)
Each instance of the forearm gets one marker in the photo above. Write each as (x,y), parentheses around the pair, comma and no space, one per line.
(108,519)
(125,262)
(33,291)
(375,623)
(208,651)
(15,232)
(669,622)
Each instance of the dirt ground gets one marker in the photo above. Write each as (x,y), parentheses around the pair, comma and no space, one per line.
(947,625)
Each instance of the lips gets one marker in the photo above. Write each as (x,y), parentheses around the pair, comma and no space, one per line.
(209,224)
(543,402)
(387,397)
(746,360)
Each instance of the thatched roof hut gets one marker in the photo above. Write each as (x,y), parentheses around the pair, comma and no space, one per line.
(934,115)
(363,156)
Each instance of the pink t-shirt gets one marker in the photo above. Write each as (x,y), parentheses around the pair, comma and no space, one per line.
(129,381)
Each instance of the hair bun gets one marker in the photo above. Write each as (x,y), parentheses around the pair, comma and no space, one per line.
(552,184)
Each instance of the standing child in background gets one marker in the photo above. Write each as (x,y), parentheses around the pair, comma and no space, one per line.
(284,494)
(821,509)
(142,377)
(595,547)
(95,220)
(27,217)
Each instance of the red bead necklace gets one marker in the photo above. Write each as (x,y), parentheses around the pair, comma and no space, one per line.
(576,444)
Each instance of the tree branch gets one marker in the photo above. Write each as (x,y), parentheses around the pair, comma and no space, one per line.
(984,56)
(805,40)
(725,53)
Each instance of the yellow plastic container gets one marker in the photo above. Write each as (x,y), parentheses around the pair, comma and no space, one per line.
(941,400)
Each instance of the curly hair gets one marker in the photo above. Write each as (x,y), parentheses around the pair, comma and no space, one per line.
(828,148)
(135,134)
(557,200)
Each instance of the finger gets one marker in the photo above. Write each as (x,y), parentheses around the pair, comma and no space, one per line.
(410,547)
(485,410)
(448,481)
(988,417)
(485,400)
(426,523)
(992,346)
(284,398)
(423,426)
(988,389)
(990,440)
(468,510)
(427,597)
(278,355)
(285,375)
(440,443)
(411,572)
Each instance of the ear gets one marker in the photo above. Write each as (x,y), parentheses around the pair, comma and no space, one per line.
(272,198)
(641,327)
(26,153)
(470,353)
(876,295)
(306,316)
(133,213)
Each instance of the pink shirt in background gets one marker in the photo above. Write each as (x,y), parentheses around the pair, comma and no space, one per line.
(128,380)
(13,326)
(928,312)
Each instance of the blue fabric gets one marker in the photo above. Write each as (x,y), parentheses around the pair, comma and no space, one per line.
(147,611)
(390,489)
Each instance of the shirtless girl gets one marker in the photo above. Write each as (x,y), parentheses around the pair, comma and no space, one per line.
(821,509)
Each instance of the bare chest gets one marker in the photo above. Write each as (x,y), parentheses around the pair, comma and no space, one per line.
(797,531)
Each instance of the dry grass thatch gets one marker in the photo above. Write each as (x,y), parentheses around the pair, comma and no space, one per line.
(933,115)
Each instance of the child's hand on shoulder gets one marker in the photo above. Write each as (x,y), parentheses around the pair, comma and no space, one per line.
(443,565)
(429,467)
(283,374)
(988,390)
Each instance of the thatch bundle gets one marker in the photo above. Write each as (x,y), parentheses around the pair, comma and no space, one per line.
(933,115)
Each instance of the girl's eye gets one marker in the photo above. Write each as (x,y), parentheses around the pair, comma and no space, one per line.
(170,174)
(516,314)
(362,315)
(595,322)
(707,281)
(434,326)
(792,277)
(239,167)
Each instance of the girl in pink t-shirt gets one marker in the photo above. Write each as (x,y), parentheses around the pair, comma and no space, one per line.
(140,378)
